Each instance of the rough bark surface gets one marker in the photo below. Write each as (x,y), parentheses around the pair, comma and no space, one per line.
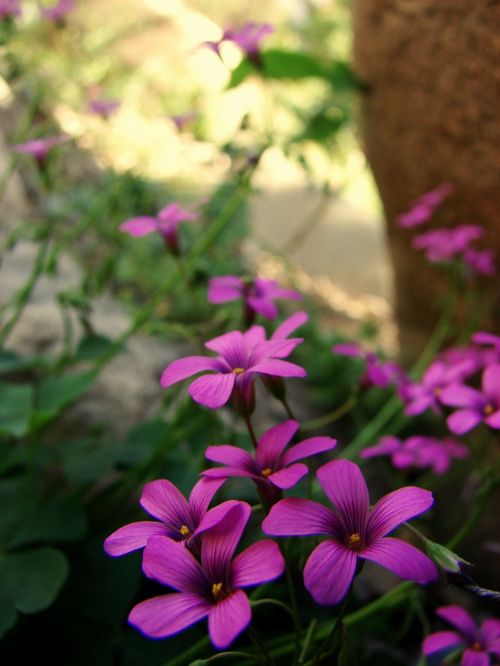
(431,114)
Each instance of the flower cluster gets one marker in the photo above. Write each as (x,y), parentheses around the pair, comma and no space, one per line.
(10,8)
(377,372)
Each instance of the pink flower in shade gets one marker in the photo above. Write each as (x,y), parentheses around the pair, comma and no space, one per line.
(39,148)
(475,406)
(166,223)
(100,106)
(481,262)
(478,644)
(377,373)
(425,206)
(418,451)
(182,120)
(248,38)
(353,531)
(258,294)
(272,465)
(427,393)
(10,8)
(176,518)
(211,588)
(57,13)
(240,357)
(443,245)
(483,338)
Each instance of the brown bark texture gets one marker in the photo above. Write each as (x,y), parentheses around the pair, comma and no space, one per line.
(430,114)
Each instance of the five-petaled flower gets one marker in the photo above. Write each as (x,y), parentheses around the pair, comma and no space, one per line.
(258,294)
(478,644)
(475,406)
(211,588)
(240,357)
(353,531)
(271,465)
(166,223)
(179,519)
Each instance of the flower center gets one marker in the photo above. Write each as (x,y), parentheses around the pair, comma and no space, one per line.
(238,371)
(184,530)
(477,647)
(354,541)
(218,591)
(488,410)
(266,472)
(437,391)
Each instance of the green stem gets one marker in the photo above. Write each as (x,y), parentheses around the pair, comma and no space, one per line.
(324,649)
(259,644)
(480,503)
(251,431)
(187,656)
(288,409)
(337,413)
(225,655)
(307,640)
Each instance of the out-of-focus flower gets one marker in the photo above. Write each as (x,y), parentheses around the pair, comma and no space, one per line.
(57,13)
(10,8)
(271,464)
(258,294)
(166,223)
(475,406)
(377,372)
(418,451)
(425,206)
(478,644)
(427,393)
(39,148)
(179,519)
(248,38)
(481,262)
(103,107)
(353,531)
(446,244)
(182,120)
(483,338)
(240,357)
(212,588)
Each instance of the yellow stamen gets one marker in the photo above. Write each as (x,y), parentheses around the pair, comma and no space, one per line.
(477,647)
(354,541)
(184,530)
(217,589)
(488,410)
(266,472)
(238,371)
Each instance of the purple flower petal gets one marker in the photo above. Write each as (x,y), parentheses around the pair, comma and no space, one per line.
(225,288)
(228,472)
(348,349)
(230,455)
(493,421)
(473,658)
(419,405)
(220,542)
(215,515)
(329,571)
(162,500)
(171,563)
(290,325)
(401,558)
(200,497)
(213,391)
(346,489)
(395,508)
(255,335)
(278,368)
(287,477)
(459,618)
(228,618)
(459,395)
(490,634)
(134,536)
(491,383)
(308,447)
(386,446)
(165,616)
(463,420)
(441,640)
(263,306)
(183,368)
(259,563)
(139,226)
(230,344)
(300,517)
(273,442)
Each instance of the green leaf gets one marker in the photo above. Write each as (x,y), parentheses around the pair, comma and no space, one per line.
(278,64)
(142,440)
(342,77)
(19,495)
(91,347)
(241,72)
(15,408)
(8,614)
(33,579)
(86,460)
(12,362)
(56,393)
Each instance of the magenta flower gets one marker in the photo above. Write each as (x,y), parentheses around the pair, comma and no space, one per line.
(478,644)
(10,8)
(39,148)
(425,206)
(476,406)
(377,373)
(427,393)
(481,262)
(166,223)
(418,451)
(483,338)
(240,357)
(103,107)
(271,465)
(212,588)
(258,294)
(443,245)
(353,531)
(179,519)
(248,38)
(57,13)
